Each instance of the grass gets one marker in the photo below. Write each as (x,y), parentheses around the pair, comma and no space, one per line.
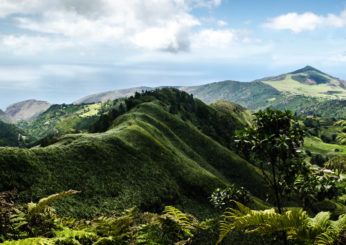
(294,87)
(316,145)
(149,158)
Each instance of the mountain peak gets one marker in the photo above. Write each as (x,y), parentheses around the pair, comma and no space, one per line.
(307,68)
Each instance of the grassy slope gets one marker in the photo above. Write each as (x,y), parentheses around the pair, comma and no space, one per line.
(60,119)
(316,145)
(252,95)
(294,87)
(239,113)
(149,157)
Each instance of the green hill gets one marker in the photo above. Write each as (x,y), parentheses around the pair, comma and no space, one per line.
(59,120)
(252,95)
(310,82)
(155,153)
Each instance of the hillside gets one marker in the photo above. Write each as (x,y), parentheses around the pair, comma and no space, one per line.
(110,95)
(305,91)
(153,154)
(59,120)
(26,110)
(251,95)
(310,82)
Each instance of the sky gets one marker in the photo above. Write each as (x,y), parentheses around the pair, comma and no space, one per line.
(61,50)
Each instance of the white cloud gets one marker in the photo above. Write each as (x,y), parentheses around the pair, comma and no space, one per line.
(221,23)
(33,77)
(307,21)
(165,25)
(214,38)
(31,45)
(338,58)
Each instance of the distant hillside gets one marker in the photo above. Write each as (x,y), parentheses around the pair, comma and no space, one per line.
(26,110)
(295,91)
(59,120)
(251,95)
(308,81)
(154,153)
(110,95)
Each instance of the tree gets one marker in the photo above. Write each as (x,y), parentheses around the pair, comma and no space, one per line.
(273,144)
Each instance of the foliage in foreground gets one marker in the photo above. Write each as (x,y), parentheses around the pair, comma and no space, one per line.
(38,223)
(299,227)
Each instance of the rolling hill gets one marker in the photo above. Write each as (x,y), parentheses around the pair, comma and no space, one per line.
(111,95)
(154,153)
(26,110)
(308,81)
(252,95)
(305,91)
(59,120)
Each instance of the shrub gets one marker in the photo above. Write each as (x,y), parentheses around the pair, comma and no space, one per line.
(222,198)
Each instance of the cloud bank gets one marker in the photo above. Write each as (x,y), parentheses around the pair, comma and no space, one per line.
(307,21)
(164,25)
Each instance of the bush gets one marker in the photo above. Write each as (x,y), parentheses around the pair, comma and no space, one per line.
(222,198)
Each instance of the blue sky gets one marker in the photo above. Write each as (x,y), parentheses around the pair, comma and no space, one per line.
(61,50)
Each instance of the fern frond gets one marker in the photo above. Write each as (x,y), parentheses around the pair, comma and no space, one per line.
(34,208)
(262,222)
(186,222)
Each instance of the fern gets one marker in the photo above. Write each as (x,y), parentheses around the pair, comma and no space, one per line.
(31,241)
(299,226)
(34,208)
(186,223)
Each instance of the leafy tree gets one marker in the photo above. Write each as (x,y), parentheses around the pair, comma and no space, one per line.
(273,143)
(316,185)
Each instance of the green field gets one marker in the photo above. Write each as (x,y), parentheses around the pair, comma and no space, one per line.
(316,145)
(293,87)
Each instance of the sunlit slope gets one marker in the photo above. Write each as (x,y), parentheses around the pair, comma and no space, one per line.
(309,82)
(148,158)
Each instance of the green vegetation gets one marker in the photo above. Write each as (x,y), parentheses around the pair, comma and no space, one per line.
(150,157)
(9,134)
(59,120)
(254,95)
(273,144)
(316,145)
(151,167)
(300,228)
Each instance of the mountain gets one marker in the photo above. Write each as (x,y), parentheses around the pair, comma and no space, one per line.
(252,95)
(295,90)
(161,147)
(26,110)
(310,82)
(110,95)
